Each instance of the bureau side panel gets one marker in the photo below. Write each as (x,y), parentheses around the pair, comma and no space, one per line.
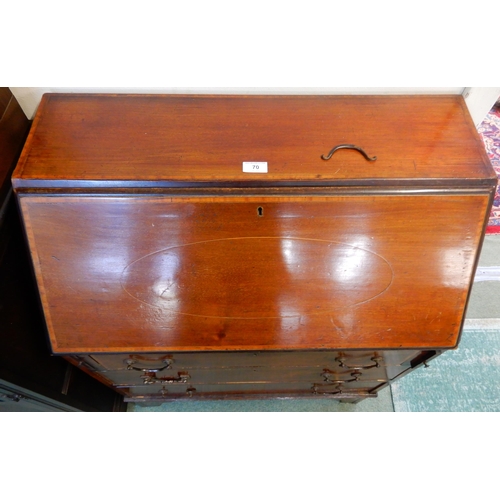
(235,273)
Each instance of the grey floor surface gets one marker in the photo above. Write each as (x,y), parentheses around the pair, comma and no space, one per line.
(484,301)
(484,304)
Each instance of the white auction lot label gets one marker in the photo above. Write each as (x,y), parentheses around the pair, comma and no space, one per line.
(255,167)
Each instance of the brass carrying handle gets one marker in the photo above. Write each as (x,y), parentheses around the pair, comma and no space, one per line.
(375,359)
(166,362)
(347,146)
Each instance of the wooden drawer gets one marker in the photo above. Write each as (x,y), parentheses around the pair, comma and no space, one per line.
(249,390)
(346,360)
(247,367)
(259,375)
(170,376)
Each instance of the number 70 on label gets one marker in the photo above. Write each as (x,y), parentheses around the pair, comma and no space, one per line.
(255,167)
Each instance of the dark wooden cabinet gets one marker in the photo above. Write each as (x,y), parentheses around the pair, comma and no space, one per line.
(210,247)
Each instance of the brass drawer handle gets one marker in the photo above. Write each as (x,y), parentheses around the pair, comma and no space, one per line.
(150,378)
(375,359)
(322,389)
(327,374)
(347,146)
(166,362)
(189,391)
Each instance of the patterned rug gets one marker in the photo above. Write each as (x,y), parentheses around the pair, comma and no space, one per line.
(489,130)
(464,380)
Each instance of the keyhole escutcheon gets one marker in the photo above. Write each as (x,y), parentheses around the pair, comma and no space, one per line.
(260,211)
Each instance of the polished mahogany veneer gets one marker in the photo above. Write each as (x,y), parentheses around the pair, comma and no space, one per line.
(150,242)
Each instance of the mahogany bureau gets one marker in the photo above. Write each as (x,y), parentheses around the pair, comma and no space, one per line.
(253,246)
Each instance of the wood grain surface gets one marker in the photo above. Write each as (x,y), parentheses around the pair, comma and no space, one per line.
(147,236)
(190,273)
(109,141)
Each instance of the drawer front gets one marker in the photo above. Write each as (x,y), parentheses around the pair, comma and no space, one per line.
(334,360)
(250,390)
(163,376)
(212,374)
(257,375)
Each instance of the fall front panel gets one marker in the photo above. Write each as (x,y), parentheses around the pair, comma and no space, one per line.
(144,273)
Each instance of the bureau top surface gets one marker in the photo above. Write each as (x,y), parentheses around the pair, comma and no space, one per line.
(98,140)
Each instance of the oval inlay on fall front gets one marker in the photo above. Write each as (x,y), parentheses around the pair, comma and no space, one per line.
(257,277)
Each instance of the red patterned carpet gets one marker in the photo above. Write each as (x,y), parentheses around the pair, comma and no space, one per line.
(489,130)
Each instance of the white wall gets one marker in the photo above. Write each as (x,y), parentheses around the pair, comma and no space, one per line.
(29,97)
(480,100)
